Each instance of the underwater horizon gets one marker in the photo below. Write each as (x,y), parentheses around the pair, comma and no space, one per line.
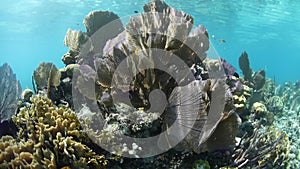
(32,31)
(173,84)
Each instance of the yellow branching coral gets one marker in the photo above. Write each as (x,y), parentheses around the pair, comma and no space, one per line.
(56,129)
(24,154)
(278,157)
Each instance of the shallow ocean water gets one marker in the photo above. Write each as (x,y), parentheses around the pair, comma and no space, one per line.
(32,31)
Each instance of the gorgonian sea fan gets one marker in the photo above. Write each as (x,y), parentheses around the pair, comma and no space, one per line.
(10,91)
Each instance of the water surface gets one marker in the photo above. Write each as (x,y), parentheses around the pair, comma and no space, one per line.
(32,31)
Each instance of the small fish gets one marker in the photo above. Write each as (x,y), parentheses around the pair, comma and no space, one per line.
(218,39)
(136,11)
(222,40)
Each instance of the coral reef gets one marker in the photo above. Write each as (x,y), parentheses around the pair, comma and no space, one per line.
(82,42)
(287,116)
(97,19)
(139,46)
(275,104)
(140,79)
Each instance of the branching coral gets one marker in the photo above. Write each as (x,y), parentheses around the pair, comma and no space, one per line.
(24,154)
(268,147)
(56,130)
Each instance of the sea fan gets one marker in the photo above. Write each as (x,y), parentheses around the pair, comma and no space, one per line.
(10,92)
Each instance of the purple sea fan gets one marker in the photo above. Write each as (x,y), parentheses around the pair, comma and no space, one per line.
(238,87)
(228,68)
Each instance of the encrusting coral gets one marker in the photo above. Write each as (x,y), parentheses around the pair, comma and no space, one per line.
(56,131)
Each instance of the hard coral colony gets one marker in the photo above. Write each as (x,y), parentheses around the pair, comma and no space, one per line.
(232,125)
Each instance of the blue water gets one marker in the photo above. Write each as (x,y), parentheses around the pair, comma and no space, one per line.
(32,31)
